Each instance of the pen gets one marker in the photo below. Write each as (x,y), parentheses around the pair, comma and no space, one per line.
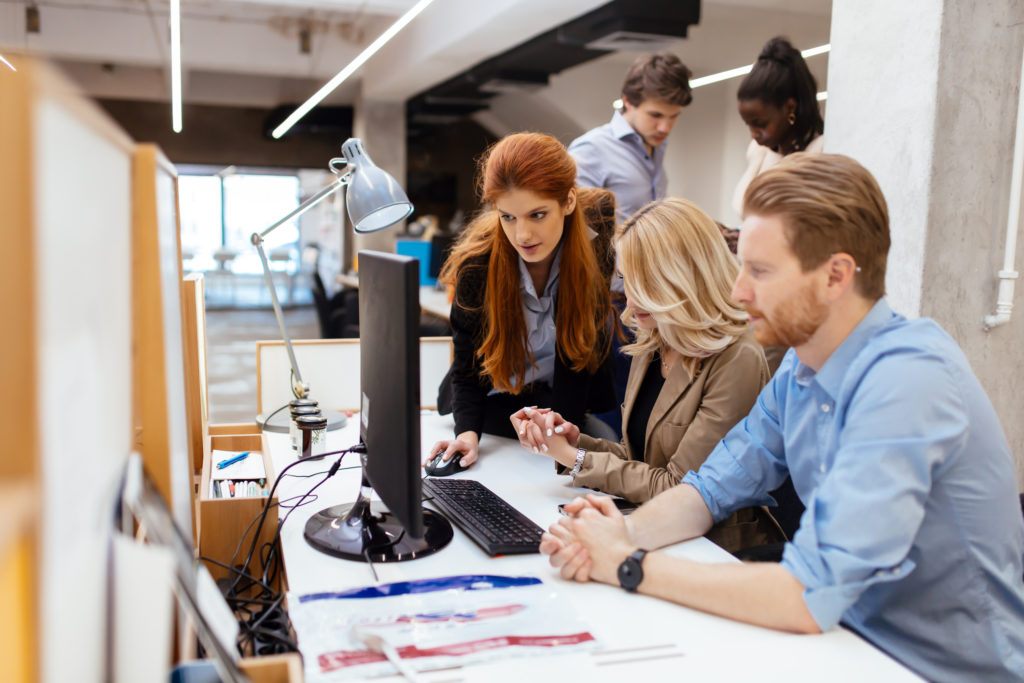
(232,460)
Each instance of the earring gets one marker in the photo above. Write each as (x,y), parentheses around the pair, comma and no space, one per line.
(791,118)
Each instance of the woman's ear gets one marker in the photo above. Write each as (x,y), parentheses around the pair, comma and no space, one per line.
(789,108)
(570,202)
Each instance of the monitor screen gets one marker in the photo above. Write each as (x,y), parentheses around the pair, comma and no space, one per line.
(389,373)
(397,528)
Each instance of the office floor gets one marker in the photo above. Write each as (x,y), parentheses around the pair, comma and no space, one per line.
(231,336)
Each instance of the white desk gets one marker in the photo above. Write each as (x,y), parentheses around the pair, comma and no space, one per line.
(696,646)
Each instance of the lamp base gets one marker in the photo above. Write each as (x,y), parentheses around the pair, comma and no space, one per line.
(279,423)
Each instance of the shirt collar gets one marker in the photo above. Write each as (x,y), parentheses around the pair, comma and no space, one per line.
(620,126)
(526,282)
(830,377)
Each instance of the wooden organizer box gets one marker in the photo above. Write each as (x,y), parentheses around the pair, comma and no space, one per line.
(223,521)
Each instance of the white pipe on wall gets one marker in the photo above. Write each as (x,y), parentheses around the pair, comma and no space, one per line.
(1008,276)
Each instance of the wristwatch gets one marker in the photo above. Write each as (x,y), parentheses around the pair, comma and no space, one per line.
(631,571)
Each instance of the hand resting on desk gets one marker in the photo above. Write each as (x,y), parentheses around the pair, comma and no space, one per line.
(590,542)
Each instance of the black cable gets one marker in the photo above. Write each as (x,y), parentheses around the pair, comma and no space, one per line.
(266,603)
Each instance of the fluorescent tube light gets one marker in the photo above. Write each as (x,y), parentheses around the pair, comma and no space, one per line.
(176,65)
(744,70)
(7,63)
(352,67)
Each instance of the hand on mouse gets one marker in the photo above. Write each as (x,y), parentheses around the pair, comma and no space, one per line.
(467,443)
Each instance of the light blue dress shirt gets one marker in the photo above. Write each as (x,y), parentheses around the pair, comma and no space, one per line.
(613,156)
(539,315)
(913,535)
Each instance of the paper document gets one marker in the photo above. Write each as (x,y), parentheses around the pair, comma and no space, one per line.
(433,623)
(250,467)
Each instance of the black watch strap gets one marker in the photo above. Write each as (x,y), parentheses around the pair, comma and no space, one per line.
(631,571)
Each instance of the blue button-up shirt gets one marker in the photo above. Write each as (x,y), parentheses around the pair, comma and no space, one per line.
(613,156)
(913,534)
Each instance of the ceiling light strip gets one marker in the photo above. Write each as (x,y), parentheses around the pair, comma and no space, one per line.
(822,96)
(7,63)
(354,65)
(744,70)
(176,65)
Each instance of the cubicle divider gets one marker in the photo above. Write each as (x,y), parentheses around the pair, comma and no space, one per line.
(331,368)
(65,373)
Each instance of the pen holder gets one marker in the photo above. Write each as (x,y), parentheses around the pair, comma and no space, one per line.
(312,435)
(310,408)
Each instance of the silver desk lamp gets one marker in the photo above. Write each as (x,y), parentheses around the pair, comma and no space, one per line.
(375,201)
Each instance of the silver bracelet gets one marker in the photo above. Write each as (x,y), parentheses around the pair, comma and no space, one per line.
(580,454)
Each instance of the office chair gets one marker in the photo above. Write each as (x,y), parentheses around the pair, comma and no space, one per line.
(338,315)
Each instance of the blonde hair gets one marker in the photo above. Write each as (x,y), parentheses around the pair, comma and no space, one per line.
(677,267)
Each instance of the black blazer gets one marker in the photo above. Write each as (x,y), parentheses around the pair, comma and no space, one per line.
(464,389)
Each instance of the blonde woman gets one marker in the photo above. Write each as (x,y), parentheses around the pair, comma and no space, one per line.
(696,369)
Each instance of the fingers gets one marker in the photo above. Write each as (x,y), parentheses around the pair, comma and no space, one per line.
(438,447)
(604,505)
(575,505)
(579,558)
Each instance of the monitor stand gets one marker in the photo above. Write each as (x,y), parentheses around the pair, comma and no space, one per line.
(367,530)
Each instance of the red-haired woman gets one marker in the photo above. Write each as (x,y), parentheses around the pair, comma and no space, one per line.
(531,315)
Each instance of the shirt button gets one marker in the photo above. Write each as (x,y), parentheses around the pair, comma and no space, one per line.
(825,407)
(822,469)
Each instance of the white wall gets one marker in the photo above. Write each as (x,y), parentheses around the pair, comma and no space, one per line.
(933,119)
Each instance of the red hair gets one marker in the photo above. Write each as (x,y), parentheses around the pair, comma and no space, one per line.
(536,163)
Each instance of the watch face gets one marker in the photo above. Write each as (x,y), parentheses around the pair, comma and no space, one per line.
(631,573)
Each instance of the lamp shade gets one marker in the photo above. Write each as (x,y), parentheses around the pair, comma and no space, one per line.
(375,199)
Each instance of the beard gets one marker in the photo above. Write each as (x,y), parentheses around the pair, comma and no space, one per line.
(793,322)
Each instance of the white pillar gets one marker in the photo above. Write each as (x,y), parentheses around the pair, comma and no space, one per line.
(924,94)
(381,127)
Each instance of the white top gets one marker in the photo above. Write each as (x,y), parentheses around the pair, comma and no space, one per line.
(759,160)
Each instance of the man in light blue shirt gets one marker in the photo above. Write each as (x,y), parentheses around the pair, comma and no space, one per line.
(626,155)
(913,535)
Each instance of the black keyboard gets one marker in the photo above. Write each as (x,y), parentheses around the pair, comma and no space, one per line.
(492,523)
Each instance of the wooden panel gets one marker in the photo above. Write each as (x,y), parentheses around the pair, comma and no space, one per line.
(158,363)
(197,400)
(273,668)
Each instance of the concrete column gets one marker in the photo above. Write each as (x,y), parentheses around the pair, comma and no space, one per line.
(381,127)
(924,94)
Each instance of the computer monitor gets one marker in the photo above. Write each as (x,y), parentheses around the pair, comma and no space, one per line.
(398,528)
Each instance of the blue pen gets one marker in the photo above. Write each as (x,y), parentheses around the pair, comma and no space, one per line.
(232,460)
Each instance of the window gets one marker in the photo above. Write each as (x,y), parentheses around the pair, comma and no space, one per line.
(220,211)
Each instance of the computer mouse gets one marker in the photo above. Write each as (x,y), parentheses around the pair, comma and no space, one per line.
(439,468)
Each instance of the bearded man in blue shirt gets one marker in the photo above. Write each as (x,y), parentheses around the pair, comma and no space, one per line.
(912,535)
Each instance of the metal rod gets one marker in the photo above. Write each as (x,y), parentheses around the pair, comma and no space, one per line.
(309,203)
(299,388)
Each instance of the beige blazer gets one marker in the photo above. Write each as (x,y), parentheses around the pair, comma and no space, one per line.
(690,416)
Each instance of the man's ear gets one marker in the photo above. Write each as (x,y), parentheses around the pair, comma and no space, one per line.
(841,271)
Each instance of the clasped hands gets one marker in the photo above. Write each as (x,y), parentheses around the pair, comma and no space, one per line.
(546,432)
(590,542)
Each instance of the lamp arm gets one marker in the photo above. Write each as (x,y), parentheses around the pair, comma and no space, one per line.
(299,388)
